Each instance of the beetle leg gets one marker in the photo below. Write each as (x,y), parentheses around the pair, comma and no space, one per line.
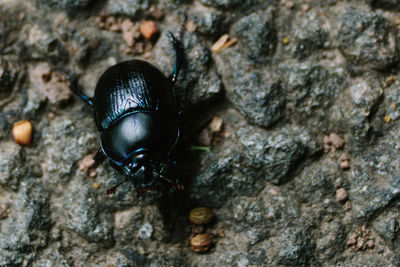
(99,157)
(178,56)
(73,86)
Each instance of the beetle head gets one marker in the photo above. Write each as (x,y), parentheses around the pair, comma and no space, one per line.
(148,173)
(145,169)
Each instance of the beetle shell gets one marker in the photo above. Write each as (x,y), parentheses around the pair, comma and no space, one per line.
(131,85)
(135,110)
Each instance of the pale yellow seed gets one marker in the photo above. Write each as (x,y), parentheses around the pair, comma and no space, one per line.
(22,132)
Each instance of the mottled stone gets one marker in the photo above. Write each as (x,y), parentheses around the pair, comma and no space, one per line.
(308,36)
(388,227)
(273,154)
(10,26)
(127,7)
(68,5)
(257,33)
(198,81)
(84,214)
(209,21)
(256,94)
(12,164)
(25,231)
(311,91)
(66,143)
(330,241)
(368,39)
(293,247)
(232,3)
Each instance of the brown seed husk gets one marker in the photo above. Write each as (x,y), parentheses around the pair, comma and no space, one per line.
(201,242)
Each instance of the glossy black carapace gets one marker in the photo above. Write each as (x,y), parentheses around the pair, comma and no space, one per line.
(137,111)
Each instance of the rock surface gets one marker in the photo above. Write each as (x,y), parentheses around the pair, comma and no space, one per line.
(303,171)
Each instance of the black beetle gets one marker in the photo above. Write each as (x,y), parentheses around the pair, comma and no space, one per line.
(138,111)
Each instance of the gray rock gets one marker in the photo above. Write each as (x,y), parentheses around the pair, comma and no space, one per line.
(257,33)
(51,257)
(66,142)
(293,247)
(209,21)
(12,164)
(42,43)
(220,172)
(376,175)
(366,95)
(368,39)
(273,154)
(84,214)
(10,26)
(317,182)
(308,36)
(256,94)
(388,228)
(198,78)
(330,241)
(68,5)
(232,3)
(128,8)
(9,73)
(25,231)
(311,91)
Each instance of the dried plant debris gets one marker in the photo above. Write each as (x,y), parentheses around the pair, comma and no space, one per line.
(223,43)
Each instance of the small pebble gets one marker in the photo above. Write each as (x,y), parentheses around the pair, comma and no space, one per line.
(336,140)
(205,137)
(190,26)
(289,5)
(273,192)
(86,163)
(341,194)
(347,206)
(216,124)
(344,164)
(148,29)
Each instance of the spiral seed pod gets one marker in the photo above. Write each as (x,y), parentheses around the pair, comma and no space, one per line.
(201,215)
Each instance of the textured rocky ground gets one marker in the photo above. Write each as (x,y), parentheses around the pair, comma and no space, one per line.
(306,171)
